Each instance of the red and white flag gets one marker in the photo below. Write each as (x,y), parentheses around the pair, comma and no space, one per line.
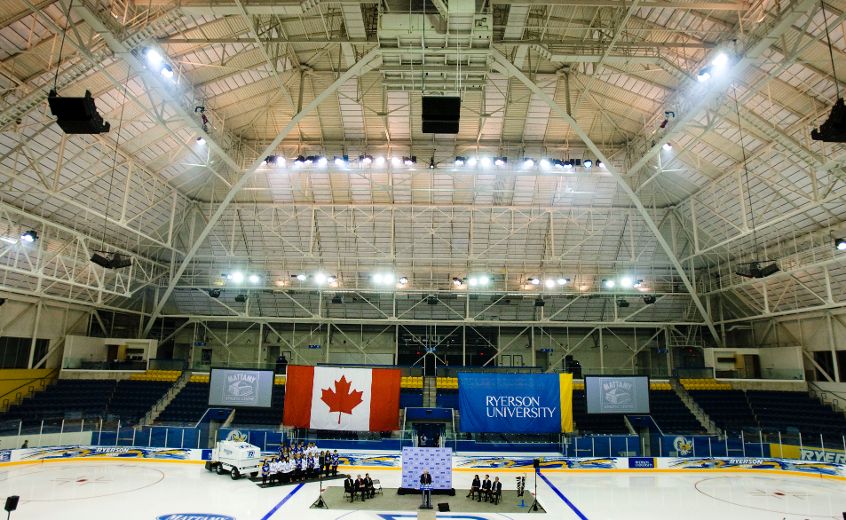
(336,398)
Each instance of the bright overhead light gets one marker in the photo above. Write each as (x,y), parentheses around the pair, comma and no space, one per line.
(379,161)
(562,281)
(588,163)
(459,161)
(484,280)
(167,72)
(625,281)
(637,284)
(544,164)
(527,162)
(322,161)
(319,278)
(471,162)
(534,281)
(331,279)
(549,283)
(29,236)
(377,278)
(473,281)
(485,162)
(403,280)
(254,278)
(153,57)
(457,281)
(396,161)
(409,161)
(667,146)
(704,74)
(609,284)
(840,244)
(300,160)
(600,164)
(201,140)
(720,60)
(500,161)
(365,159)
(302,277)
(388,278)
(237,277)
(339,161)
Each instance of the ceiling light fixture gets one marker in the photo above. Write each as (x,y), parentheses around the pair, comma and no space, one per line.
(29,236)
(840,244)
(667,146)
(588,163)
(459,161)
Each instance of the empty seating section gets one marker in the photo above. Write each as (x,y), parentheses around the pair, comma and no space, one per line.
(411,382)
(447,396)
(668,410)
(595,423)
(704,384)
(728,408)
(157,375)
(791,411)
(66,398)
(133,399)
(190,403)
(411,398)
(127,400)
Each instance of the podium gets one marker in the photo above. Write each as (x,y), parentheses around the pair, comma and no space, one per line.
(426,493)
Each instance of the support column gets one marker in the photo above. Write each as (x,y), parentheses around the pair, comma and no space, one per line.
(34,334)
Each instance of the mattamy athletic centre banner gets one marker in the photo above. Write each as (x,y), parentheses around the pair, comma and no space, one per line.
(515,403)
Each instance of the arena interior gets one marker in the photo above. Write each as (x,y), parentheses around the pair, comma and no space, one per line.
(594,249)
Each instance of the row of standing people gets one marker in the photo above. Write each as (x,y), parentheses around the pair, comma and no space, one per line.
(295,465)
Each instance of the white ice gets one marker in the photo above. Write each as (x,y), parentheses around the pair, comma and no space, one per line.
(127,490)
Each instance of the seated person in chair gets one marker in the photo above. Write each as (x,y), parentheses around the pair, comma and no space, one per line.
(349,487)
(475,488)
(486,488)
(496,491)
(368,486)
(360,488)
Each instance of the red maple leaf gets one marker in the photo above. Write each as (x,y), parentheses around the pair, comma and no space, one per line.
(342,399)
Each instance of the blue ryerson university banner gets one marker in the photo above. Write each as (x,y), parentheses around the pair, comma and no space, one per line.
(515,403)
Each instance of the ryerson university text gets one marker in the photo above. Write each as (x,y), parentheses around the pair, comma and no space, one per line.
(517,406)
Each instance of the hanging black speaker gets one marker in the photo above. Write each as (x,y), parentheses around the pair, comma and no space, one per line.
(12,503)
(441,114)
(77,115)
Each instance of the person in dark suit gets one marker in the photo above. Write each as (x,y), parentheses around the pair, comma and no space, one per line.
(496,491)
(426,480)
(475,488)
(360,488)
(321,459)
(486,488)
(349,487)
(368,486)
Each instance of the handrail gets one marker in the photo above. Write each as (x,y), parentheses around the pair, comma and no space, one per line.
(29,381)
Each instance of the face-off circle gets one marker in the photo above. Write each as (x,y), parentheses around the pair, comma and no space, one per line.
(776,495)
(83,481)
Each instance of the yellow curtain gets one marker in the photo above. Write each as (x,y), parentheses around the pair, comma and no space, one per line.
(565,386)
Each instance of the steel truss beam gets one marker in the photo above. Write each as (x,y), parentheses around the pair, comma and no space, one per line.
(364,64)
(641,209)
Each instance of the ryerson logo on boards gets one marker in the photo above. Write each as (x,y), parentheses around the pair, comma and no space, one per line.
(519,407)
(823,456)
(241,386)
(617,394)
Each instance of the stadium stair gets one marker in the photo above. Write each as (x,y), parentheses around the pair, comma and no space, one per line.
(430,392)
(707,423)
(167,398)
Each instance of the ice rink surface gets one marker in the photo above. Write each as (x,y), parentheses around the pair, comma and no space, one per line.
(124,490)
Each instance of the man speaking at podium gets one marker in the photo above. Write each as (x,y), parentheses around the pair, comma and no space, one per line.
(426,489)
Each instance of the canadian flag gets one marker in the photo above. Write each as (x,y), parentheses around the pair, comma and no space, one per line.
(336,398)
